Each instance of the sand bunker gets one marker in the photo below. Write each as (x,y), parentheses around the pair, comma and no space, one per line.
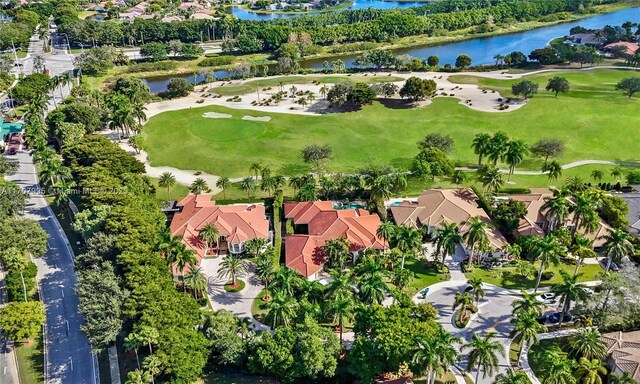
(216,115)
(256,118)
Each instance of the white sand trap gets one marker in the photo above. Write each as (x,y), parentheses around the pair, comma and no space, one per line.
(257,118)
(216,115)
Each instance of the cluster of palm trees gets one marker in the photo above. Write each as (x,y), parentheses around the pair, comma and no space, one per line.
(176,253)
(498,147)
(125,114)
(58,83)
(150,368)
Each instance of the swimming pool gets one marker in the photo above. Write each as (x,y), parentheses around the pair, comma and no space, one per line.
(9,127)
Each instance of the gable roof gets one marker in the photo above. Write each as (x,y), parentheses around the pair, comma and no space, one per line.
(528,225)
(436,206)
(238,223)
(304,252)
(624,349)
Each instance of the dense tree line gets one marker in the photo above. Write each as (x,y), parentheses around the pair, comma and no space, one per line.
(328,28)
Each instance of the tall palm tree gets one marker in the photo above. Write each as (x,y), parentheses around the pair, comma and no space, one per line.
(465,301)
(480,145)
(617,173)
(557,210)
(553,169)
(266,271)
(527,328)
(514,155)
(583,208)
(590,371)
(167,180)
(588,343)
(476,287)
(425,357)
(138,111)
(569,290)
(133,341)
(185,257)
(286,281)
(547,250)
(342,309)
(341,285)
(446,351)
(210,234)
(581,248)
(223,183)
(380,189)
(617,246)
(490,177)
(196,281)
(407,240)
(557,368)
(255,168)
(483,354)
(232,266)
(373,289)
(199,186)
(138,376)
(476,234)
(386,231)
(497,147)
(337,252)
(282,309)
(323,91)
(152,364)
(597,175)
(528,304)
(512,377)
(170,245)
(446,239)
(248,184)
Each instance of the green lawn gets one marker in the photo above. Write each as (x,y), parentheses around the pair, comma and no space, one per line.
(30,361)
(176,192)
(505,278)
(274,82)
(377,134)
(423,275)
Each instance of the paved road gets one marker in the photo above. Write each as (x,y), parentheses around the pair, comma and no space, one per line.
(68,351)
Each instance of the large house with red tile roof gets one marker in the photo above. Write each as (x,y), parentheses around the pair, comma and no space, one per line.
(236,224)
(316,223)
(437,206)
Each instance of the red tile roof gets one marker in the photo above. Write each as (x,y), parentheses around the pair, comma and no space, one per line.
(303,252)
(630,48)
(238,223)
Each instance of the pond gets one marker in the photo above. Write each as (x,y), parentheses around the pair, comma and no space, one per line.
(481,50)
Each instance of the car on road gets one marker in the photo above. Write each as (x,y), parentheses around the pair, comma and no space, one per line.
(555,318)
(12,151)
(613,267)
(547,298)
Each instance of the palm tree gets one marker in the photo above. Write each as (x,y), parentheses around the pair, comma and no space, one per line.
(341,285)
(407,240)
(483,354)
(196,281)
(476,287)
(232,266)
(138,376)
(465,301)
(152,365)
(248,184)
(139,112)
(590,371)
(597,175)
(133,341)
(266,271)
(337,251)
(199,186)
(286,282)
(223,183)
(167,180)
(553,169)
(458,177)
(282,309)
(446,352)
(255,168)
(372,289)
(625,378)
(617,246)
(401,277)
(185,257)
(617,173)
(425,357)
(490,177)
(514,155)
(582,248)
(387,231)
(446,239)
(527,328)
(481,145)
(380,190)
(170,245)
(210,234)
(556,368)
(149,335)
(569,290)
(557,210)
(583,208)
(588,344)
(323,91)
(342,309)
(512,377)
(476,234)
(528,304)
(548,250)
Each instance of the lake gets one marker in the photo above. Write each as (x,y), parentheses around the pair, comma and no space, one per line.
(481,50)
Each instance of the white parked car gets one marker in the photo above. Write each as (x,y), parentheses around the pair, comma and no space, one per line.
(547,298)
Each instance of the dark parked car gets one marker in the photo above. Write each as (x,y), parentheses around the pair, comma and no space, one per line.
(613,267)
(12,151)
(542,319)
(555,318)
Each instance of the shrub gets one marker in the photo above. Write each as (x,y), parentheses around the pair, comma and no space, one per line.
(216,61)
(14,282)
(149,67)
(548,275)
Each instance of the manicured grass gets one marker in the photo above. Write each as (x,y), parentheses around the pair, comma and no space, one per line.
(30,361)
(238,378)
(176,192)
(504,277)
(424,275)
(588,119)
(239,286)
(259,308)
(288,81)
